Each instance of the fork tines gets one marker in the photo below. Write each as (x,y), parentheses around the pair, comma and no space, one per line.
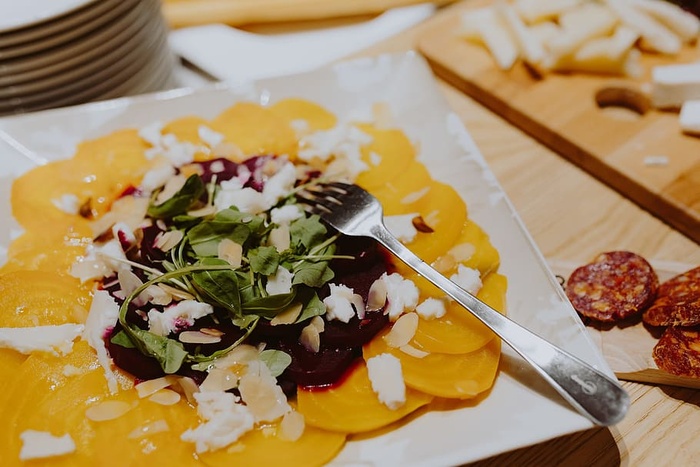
(322,198)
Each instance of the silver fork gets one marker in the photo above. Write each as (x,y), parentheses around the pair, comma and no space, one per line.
(354,212)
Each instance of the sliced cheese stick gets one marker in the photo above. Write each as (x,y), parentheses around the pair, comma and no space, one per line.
(530,48)
(684,24)
(672,85)
(534,11)
(580,25)
(655,36)
(690,117)
(490,28)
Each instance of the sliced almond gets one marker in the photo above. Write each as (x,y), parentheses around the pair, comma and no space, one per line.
(152,386)
(318,323)
(376,299)
(288,316)
(197,337)
(212,332)
(219,379)
(166,241)
(173,185)
(310,338)
(420,225)
(231,252)
(415,196)
(280,238)
(165,397)
(445,263)
(107,410)
(189,387)
(292,426)
(176,293)
(402,331)
(462,252)
(408,349)
(202,212)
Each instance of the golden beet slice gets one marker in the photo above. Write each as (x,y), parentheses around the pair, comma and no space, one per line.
(56,394)
(401,195)
(460,376)
(459,332)
(352,406)
(36,298)
(389,155)
(316,117)
(255,130)
(264,446)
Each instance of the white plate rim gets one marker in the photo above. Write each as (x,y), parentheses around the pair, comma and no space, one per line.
(519,410)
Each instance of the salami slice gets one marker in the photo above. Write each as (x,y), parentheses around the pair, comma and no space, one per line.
(614,286)
(678,351)
(677,302)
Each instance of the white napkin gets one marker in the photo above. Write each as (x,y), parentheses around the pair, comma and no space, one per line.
(234,55)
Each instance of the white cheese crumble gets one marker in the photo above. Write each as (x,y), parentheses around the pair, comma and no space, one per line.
(176,317)
(285,214)
(68,203)
(102,317)
(99,261)
(210,137)
(431,308)
(467,278)
(401,226)
(340,145)
(42,444)
(386,377)
(261,394)
(157,177)
(232,193)
(280,282)
(342,303)
(402,295)
(225,421)
(55,339)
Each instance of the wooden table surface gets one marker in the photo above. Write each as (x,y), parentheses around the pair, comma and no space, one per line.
(572,216)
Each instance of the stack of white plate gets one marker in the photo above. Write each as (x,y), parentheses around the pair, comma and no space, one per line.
(55,53)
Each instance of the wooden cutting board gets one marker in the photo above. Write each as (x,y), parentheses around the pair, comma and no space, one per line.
(560,111)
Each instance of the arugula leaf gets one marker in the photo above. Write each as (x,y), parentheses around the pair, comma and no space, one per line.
(313,274)
(206,236)
(264,260)
(122,339)
(220,286)
(169,353)
(270,306)
(181,201)
(312,307)
(276,361)
(307,231)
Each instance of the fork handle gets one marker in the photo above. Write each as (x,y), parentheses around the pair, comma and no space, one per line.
(592,393)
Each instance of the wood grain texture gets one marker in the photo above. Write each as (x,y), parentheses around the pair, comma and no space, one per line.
(560,111)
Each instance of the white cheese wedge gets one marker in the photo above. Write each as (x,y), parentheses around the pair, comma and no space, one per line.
(485,25)
(690,117)
(42,444)
(672,85)
(655,36)
(54,339)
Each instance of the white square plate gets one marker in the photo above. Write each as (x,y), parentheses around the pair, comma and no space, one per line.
(521,409)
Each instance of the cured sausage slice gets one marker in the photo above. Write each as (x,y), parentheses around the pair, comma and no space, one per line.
(677,302)
(678,351)
(614,286)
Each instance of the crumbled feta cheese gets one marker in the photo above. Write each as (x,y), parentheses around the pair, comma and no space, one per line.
(401,226)
(280,282)
(342,303)
(386,377)
(180,316)
(225,421)
(177,152)
(280,184)
(152,133)
(157,177)
(102,317)
(68,203)
(99,261)
(42,444)
(245,199)
(431,308)
(285,214)
(467,278)
(341,143)
(402,295)
(210,137)
(55,339)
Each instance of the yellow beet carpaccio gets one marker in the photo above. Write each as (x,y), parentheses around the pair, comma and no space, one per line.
(455,356)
